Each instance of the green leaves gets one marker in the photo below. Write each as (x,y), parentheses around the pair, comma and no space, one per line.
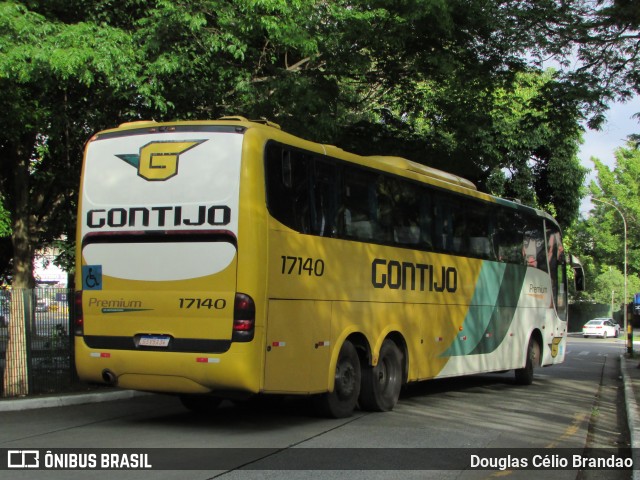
(599,239)
(5,220)
(609,287)
(34,49)
(449,83)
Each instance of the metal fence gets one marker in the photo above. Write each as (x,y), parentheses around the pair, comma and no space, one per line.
(36,342)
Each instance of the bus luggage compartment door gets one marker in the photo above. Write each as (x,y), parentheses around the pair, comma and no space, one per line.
(298,346)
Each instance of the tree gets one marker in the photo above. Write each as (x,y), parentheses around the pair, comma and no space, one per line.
(599,239)
(595,42)
(620,186)
(510,140)
(63,79)
(608,287)
(442,82)
(5,243)
(55,76)
(437,82)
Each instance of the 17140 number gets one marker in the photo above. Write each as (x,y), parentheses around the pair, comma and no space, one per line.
(300,265)
(209,303)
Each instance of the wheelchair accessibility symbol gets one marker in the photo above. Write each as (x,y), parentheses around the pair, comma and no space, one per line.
(92,277)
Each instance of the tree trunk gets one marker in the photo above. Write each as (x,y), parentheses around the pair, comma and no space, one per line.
(21,215)
(15,381)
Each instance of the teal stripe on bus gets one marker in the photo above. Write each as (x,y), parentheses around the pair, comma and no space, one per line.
(492,309)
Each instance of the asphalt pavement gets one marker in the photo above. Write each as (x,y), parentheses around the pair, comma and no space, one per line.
(629,371)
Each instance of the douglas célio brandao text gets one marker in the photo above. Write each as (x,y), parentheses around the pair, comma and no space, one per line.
(550,461)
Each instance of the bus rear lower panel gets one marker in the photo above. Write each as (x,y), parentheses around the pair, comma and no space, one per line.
(171,372)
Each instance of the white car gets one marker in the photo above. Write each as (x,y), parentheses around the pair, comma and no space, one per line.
(601,327)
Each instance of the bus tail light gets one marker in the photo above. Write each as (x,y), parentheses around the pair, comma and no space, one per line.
(79,315)
(244,318)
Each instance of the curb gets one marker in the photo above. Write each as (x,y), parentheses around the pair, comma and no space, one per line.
(633,418)
(20,404)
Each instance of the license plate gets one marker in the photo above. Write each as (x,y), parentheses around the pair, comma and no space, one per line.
(153,341)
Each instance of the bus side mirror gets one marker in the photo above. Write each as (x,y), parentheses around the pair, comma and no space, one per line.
(578,272)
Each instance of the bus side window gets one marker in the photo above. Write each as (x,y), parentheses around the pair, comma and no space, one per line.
(324,199)
(443,224)
(288,187)
(510,236)
(533,247)
(450,225)
(479,231)
(426,219)
(358,205)
(557,269)
(287,179)
(406,214)
(460,227)
(386,205)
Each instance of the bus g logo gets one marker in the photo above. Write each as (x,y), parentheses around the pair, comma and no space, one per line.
(555,349)
(158,161)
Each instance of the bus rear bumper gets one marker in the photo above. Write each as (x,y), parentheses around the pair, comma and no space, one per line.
(169,372)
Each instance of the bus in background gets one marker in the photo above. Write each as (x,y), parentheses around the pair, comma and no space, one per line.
(228,258)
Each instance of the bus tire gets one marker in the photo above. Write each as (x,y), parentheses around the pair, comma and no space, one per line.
(524,376)
(381,384)
(341,402)
(204,404)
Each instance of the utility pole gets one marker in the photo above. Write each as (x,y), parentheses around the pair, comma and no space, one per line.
(627,328)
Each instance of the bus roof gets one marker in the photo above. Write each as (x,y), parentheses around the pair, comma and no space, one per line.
(405,164)
(389,163)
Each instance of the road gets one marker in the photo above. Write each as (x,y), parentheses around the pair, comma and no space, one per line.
(569,406)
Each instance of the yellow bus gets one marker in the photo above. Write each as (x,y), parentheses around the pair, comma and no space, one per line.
(227,258)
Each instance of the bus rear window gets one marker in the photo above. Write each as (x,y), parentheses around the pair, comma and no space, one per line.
(160,261)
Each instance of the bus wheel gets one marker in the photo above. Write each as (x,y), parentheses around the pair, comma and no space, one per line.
(205,404)
(381,384)
(524,376)
(342,401)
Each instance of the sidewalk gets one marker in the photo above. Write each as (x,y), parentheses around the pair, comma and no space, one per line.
(630,369)
(61,400)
